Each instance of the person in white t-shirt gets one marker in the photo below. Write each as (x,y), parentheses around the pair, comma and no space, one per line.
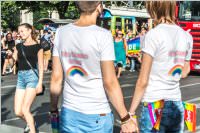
(166,54)
(83,55)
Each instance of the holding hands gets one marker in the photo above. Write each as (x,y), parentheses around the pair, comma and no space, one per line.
(129,124)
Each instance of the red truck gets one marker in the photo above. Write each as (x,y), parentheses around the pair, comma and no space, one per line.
(188,15)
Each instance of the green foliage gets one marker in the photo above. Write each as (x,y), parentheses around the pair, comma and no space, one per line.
(10,15)
(38,15)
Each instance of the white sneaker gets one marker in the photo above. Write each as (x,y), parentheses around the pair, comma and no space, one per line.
(132,70)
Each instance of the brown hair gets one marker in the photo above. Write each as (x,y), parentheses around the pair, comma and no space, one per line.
(162,9)
(87,7)
(33,32)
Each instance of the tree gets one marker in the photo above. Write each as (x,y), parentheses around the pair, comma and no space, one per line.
(10,15)
(32,6)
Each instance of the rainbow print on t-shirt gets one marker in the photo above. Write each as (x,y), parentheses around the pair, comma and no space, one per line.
(176,70)
(76,70)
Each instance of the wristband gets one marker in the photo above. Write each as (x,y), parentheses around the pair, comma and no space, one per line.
(133,115)
(125,118)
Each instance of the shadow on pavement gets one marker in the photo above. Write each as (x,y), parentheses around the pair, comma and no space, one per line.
(41,114)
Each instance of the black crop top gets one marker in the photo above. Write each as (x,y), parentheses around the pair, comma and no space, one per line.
(31,53)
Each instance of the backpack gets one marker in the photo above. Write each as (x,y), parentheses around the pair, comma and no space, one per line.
(46,45)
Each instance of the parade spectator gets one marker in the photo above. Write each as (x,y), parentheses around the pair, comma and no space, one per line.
(8,46)
(167,47)
(3,52)
(47,53)
(121,50)
(131,57)
(14,34)
(28,83)
(83,55)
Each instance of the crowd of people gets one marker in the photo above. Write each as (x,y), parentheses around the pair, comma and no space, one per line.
(124,59)
(85,57)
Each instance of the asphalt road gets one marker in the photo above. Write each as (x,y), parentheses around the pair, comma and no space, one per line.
(190,88)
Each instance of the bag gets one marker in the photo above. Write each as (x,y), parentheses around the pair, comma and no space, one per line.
(43,87)
(45,44)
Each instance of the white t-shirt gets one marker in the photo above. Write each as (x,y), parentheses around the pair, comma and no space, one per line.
(80,50)
(170,46)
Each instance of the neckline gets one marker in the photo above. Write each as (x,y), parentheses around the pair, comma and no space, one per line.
(29,45)
(73,24)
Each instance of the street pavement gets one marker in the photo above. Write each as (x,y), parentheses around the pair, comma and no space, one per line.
(190,88)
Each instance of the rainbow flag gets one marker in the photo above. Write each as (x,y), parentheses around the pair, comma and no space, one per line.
(155,111)
(190,116)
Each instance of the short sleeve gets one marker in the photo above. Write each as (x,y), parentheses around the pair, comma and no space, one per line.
(190,47)
(39,47)
(56,43)
(150,44)
(107,47)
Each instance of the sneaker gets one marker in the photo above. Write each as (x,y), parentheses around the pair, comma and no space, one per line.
(132,70)
(26,129)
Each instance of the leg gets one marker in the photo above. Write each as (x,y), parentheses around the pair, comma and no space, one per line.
(14,69)
(19,98)
(132,64)
(28,100)
(4,66)
(119,72)
(45,64)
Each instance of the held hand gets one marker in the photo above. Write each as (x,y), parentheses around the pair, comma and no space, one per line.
(136,124)
(39,88)
(129,127)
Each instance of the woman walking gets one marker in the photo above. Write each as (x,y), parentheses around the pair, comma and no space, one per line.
(121,51)
(28,83)
(166,53)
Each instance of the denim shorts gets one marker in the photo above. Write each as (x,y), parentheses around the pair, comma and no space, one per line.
(76,122)
(172,120)
(27,79)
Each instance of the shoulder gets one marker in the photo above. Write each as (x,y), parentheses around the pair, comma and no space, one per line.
(18,45)
(151,33)
(64,28)
(101,30)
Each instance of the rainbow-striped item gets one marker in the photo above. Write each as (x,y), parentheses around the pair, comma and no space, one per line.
(76,70)
(190,116)
(155,111)
(176,70)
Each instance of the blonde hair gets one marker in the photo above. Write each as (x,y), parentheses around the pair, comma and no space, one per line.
(160,10)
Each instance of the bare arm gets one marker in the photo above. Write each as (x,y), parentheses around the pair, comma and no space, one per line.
(186,69)
(142,81)
(115,95)
(3,44)
(40,65)
(14,56)
(126,46)
(56,83)
(112,87)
